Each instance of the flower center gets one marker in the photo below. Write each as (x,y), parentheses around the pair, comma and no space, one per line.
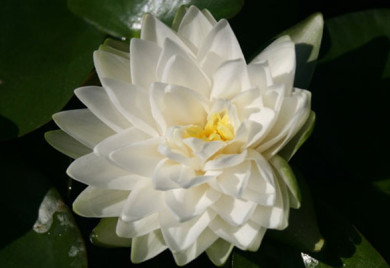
(217,128)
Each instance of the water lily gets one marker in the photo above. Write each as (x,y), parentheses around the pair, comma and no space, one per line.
(182,142)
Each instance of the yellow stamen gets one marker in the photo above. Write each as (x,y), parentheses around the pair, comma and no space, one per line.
(217,128)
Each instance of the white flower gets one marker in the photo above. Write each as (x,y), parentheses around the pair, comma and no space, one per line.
(181,142)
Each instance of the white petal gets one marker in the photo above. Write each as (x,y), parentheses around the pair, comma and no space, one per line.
(219,46)
(179,236)
(203,150)
(176,106)
(241,236)
(143,60)
(138,228)
(99,172)
(142,202)
(101,203)
(219,251)
(140,158)
(205,239)
(234,180)
(133,103)
(110,65)
(146,247)
(186,204)
(225,161)
(230,78)
(260,75)
(234,211)
(98,102)
(83,125)
(178,155)
(281,58)
(66,144)
(155,31)
(120,140)
(195,26)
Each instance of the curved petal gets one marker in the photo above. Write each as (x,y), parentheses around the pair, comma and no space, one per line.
(99,172)
(205,239)
(142,202)
(176,106)
(66,144)
(280,55)
(225,161)
(83,125)
(181,235)
(98,102)
(104,234)
(137,228)
(194,27)
(143,61)
(241,236)
(110,65)
(219,251)
(147,246)
(219,46)
(140,158)
(203,150)
(186,204)
(260,75)
(234,211)
(102,203)
(230,78)
(133,103)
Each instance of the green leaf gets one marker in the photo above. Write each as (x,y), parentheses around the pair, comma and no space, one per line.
(45,53)
(105,235)
(307,36)
(122,18)
(296,142)
(53,241)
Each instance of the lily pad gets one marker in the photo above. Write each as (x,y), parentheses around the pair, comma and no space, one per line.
(46,52)
(122,18)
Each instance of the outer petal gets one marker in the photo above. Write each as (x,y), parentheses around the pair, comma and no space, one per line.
(99,172)
(194,27)
(281,58)
(137,228)
(186,204)
(148,246)
(110,65)
(98,102)
(219,46)
(83,125)
(102,203)
(219,251)
(66,144)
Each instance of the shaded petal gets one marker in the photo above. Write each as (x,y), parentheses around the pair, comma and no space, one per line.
(225,161)
(142,202)
(186,204)
(143,60)
(101,203)
(195,26)
(206,238)
(147,246)
(280,55)
(219,251)
(104,234)
(219,46)
(137,228)
(140,158)
(133,103)
(98,102)
(234,211)
(99,172)
(110,65)
(241,236)
(66,144)
(203,150)
(230,78)
(175,105)
(260,75)
(83,125)
(181,235)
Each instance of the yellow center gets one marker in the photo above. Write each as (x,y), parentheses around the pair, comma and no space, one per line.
(217,128)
